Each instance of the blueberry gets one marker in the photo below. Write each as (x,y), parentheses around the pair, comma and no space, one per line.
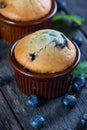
(83,119)
(61,44)
(78,83)
(68,129)
(32,56)
(33,101)
(69,101)
(61,4)
(1,81)
(2,5)
(75,25)
(78,40)
(37,121)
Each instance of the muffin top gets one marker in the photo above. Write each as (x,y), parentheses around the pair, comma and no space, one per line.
(45,51)
(25,10)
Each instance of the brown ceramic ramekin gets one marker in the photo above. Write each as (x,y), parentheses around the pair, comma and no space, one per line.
(11,30)
(44,85)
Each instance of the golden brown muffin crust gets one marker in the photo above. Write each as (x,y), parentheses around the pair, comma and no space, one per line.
(25,10)
(45,51)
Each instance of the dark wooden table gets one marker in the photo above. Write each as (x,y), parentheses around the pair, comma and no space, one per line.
(15,114)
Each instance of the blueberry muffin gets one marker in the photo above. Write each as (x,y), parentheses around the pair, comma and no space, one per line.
(45,51)
(25,10)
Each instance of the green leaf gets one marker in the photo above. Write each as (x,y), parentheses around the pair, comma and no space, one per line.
(77,19)
(81,70)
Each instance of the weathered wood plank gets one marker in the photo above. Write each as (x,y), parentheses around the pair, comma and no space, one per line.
(3,49)
(78,7)
(7,119)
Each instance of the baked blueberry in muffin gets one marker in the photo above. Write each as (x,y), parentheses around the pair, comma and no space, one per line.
(2,5)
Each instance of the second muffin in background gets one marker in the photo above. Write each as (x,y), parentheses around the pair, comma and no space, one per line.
(21,17)
(25,10)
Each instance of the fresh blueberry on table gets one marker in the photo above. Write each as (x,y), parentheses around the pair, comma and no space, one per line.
(83,119)
(78,40)
(37,121)
(33,101)
(1,81)
(75,25)
(78,83)
(68,101)
(61,4)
